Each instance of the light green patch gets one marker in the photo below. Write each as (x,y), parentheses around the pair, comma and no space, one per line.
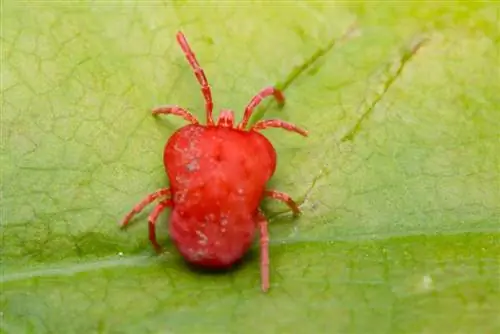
(400,231)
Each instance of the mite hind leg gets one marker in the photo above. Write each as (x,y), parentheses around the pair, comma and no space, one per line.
(264,250)
(142,204)
(283,197)
(153,217)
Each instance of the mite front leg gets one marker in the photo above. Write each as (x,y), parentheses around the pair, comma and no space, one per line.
(277,123)
(153,217)
(200,76)
(257,99)
(280,196)
(264,251)
(139,207)
(177,111)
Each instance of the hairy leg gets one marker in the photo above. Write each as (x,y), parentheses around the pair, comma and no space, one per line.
(264,251)
(153,217)
(276,123)
(177,111)
(200,76)
(141,205)
(257,99)
(280,196)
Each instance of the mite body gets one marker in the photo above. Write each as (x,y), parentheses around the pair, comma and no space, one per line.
(216,187)
(218,173)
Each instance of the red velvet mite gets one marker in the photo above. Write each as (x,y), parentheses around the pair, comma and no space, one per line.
(218,173)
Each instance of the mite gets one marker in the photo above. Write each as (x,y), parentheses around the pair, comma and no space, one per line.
(218,174)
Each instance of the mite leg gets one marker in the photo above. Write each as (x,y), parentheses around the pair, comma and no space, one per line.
(257,99)
(153,217)
(177,111)
(284,198)
(139,207)
(276,123)
(200,76)
(264,251)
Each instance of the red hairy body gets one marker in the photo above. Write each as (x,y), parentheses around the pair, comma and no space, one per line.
(218,178)
(218,173)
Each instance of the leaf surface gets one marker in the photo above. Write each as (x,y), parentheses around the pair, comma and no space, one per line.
(398,182)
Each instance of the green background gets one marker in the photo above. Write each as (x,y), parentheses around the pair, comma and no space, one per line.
(398,182)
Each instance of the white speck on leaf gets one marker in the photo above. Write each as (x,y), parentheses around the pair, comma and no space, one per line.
(427,282)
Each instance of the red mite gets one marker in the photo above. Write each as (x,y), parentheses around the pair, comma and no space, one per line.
(217,174)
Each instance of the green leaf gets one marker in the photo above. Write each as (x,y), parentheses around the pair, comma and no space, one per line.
(398,182)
